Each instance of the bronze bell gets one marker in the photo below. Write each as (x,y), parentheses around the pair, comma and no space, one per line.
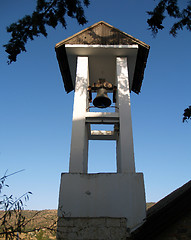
(102,100)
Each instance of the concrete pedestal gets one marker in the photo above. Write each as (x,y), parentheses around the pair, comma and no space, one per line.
(116,195)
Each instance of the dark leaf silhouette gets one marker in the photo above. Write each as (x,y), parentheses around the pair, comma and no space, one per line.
(170,8)
(47,13)
(187,114)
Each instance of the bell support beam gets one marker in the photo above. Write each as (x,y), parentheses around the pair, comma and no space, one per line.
(102,135)
(79,141)
(125,150)
(102,117)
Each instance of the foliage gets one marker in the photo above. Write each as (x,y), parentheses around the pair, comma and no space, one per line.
(52,12)
(13,219)
(171,9)
(47,13)
(182,20)
(12,207)
(187,114)
(40,224)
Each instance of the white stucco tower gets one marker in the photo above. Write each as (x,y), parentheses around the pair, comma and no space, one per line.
(102,56)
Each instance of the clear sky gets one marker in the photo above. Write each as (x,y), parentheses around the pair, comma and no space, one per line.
(36,113)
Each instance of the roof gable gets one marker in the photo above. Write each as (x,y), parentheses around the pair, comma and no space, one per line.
(102,33)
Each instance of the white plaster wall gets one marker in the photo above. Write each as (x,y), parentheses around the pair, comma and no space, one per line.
(103,195)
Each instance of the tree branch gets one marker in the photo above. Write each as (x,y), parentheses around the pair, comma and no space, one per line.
(169,8)
(47,13)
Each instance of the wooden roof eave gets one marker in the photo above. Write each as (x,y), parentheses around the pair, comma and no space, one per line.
(64,68)
(66,75)
(140,66)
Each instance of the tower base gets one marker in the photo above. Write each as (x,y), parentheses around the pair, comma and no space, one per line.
(103,228)
(114,195)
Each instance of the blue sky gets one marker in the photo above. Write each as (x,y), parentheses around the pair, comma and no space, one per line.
(36,113)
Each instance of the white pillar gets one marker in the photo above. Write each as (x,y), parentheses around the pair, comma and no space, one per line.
(79,141)
(125,150)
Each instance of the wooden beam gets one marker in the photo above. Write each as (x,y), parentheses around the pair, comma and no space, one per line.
(102,135)
(102,118)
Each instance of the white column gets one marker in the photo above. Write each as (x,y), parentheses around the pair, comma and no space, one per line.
(125,150)
(118,156)
(79,141)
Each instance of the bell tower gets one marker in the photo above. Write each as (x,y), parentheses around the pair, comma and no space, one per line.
(101,59)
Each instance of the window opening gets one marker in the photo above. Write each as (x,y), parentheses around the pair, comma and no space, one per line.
(102,156)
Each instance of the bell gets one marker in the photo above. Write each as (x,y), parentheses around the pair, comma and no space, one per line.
(102,100)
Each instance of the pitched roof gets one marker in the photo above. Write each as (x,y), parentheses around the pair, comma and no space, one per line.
(102,33)
(165,212)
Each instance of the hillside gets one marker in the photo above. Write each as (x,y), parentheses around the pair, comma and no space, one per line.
(43,220)
(37,224)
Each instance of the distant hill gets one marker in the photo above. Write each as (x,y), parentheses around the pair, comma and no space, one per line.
(35,220)
(47,217)
(150,204)
(44,219)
